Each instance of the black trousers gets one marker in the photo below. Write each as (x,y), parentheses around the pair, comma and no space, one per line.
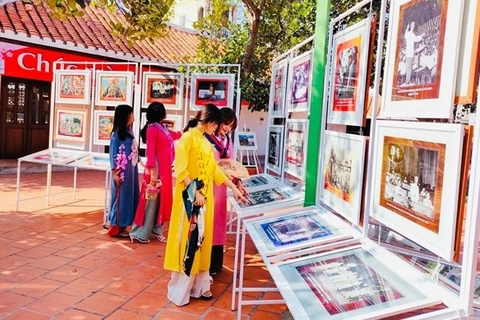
(216,261)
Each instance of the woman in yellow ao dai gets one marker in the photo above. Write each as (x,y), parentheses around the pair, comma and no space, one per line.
(194,159)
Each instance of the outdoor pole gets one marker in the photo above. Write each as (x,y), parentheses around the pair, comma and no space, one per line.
(318,79)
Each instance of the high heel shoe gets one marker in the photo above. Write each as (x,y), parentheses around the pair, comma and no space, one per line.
(133,238)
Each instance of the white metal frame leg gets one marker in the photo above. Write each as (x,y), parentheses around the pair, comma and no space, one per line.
(17,200)
(75,183)
(105,203)
(49,182)
(235,263)
(240,279)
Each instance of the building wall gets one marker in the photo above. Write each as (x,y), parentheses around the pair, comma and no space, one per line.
(256,122)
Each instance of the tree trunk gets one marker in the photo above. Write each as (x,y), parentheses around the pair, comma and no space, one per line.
(247,61)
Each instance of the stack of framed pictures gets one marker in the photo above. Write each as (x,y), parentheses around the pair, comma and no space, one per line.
(269,196)
(94,161)
(53,156)
(359,282)
(295,230)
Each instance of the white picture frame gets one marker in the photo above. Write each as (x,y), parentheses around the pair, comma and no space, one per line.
(340,184)
(414,195)
(468,64)
(102,126)
(163,87)
(246,140)
(296,138)
(296,229)
(300,281)
(113,88)
(71,125)
(211,88)
(351,54)
(73,86)
(143,122)
(299,83)
(403,96)
(278,82)
(275,148)
(178,123)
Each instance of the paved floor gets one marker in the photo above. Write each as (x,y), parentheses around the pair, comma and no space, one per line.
(56,262)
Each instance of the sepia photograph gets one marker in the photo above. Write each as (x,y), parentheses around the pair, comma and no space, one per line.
(422,53)
(412,172)
(417,172)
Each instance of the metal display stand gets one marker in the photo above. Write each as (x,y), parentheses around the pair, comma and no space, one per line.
(75,154)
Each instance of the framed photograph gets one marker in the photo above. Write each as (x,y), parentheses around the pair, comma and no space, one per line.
(258,180)
(70,125)
(275,148)
(294,230)
(212,88)
(103,126)
(72,86)
(414,196)
(296,148)
(468,62)
(173,122)
(351,283)
(113,88)
(421,62)
(299,82)
(351,48)
(143,122)
(271,196)
(53,156)
(277,90)
(166,88)
(247,140)
(341,179)
(94,160)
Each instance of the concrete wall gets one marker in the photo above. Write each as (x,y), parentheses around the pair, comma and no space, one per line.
(256,122)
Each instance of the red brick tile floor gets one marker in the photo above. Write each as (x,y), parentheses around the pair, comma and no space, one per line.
(57,262)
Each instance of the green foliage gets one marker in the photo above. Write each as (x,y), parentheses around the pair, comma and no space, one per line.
(146,19)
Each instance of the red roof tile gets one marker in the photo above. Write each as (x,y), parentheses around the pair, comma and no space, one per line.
(93,32)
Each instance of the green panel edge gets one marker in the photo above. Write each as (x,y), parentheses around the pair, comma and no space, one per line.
(316,99)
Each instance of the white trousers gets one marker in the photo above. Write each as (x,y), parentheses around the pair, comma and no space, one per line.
(181,287)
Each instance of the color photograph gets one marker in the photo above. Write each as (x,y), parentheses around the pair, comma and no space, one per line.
(114,88)
(414,196)
(299,79)
(247,140)
(163,87)
(70,125)
(103,126)
(73,86)
(277,89)
(275,143)
(296,148)
(350,74)
(422,54)
(294,229)
(212,88)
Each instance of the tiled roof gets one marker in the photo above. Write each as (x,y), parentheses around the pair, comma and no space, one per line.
(90,33)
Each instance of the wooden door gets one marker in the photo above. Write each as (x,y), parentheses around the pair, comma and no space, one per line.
(25,116)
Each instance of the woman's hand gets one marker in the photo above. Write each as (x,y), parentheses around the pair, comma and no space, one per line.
(241,188)
(238,195)
(199,199)
(116,177)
